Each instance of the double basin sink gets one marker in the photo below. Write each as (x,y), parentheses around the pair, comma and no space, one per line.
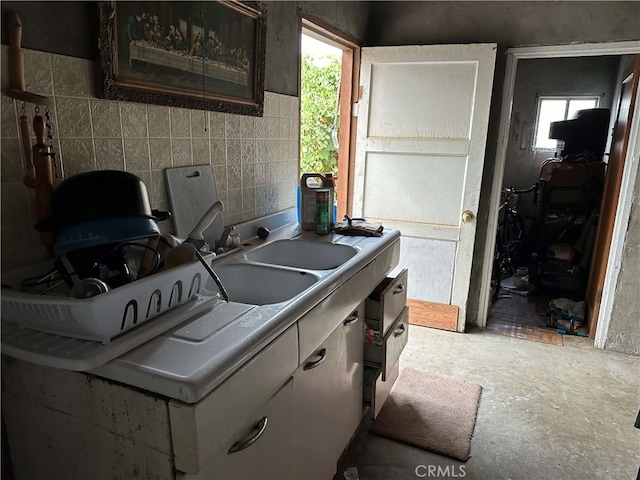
(278,271)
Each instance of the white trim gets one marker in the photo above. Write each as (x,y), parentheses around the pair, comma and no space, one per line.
(555,51)
(620,226)
(576,50)
(496,187)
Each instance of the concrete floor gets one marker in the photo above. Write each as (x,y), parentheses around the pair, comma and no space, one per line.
(546,412)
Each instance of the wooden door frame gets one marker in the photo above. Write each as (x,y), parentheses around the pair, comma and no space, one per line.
(349,95)
(611,192)
(630,169)
(621,223)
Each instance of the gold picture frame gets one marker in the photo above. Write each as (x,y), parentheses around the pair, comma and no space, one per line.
(200,55)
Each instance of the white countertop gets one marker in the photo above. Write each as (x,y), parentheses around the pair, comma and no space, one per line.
(190,360)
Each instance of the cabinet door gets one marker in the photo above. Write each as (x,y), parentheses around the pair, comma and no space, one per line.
(261,449)
(350,380)
(328,400)
(200,430)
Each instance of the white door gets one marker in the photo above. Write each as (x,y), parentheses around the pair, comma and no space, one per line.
(422,128)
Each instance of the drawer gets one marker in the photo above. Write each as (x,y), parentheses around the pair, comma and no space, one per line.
(385,306)
(267,438)
(388,259)
(317,324)
(387,352)
(376,390)
(199,431)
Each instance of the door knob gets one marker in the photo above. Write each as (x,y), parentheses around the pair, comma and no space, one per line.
(467,216)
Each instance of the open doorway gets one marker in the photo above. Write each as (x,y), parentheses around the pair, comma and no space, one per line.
(552,191)
(328,87)
(320,72)
(524,164)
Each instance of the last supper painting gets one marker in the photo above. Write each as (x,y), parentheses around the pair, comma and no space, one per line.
(206,55)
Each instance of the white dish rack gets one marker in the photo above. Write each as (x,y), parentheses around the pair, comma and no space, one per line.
(104,316)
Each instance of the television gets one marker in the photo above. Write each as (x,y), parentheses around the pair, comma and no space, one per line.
(584,136)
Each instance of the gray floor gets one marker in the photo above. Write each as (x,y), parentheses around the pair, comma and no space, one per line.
(546,412)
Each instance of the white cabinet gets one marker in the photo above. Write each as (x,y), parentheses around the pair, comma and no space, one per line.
(328,399)
(259,449)
(202,430)
(294,406)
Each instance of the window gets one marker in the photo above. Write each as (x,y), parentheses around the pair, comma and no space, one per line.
(553,109)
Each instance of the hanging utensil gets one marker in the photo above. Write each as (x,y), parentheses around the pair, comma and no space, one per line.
(29,178)
(35,164)
(15,64)
(44,183)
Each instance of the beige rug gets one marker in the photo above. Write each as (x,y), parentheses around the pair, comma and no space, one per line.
(430,412)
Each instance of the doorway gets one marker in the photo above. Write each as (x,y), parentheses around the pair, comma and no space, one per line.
(510,119)
(552,193)
(338,137)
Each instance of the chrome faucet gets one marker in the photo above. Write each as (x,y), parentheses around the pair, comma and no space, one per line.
(222,242)
(196,236)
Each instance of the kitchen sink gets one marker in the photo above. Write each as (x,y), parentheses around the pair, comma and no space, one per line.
(303,254)
(259,284)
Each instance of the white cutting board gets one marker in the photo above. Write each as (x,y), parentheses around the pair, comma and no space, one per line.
(192,191)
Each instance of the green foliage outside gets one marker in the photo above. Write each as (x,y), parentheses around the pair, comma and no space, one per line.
(318,114)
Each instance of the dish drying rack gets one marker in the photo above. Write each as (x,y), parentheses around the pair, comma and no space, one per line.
(102,317)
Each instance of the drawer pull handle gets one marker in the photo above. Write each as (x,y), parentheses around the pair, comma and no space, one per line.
(323,356)
(261,426)
(351,319)
(400,330)
(398,290)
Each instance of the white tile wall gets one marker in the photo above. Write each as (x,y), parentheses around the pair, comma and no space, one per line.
(255,159)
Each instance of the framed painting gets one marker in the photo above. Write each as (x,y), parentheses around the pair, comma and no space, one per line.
(202,55)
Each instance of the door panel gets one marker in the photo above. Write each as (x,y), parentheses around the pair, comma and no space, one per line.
(432,276)
(422,127)
(414,203)
(409,112)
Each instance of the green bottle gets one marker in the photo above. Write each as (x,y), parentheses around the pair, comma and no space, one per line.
(322,212)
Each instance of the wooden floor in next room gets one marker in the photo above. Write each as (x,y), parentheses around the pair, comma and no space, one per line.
(518,315)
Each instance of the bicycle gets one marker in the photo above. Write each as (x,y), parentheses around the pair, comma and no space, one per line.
(509,235)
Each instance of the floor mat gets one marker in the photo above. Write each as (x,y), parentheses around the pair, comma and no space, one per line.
(431,412)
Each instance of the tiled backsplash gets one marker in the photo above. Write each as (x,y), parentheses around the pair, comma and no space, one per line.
(255,159)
